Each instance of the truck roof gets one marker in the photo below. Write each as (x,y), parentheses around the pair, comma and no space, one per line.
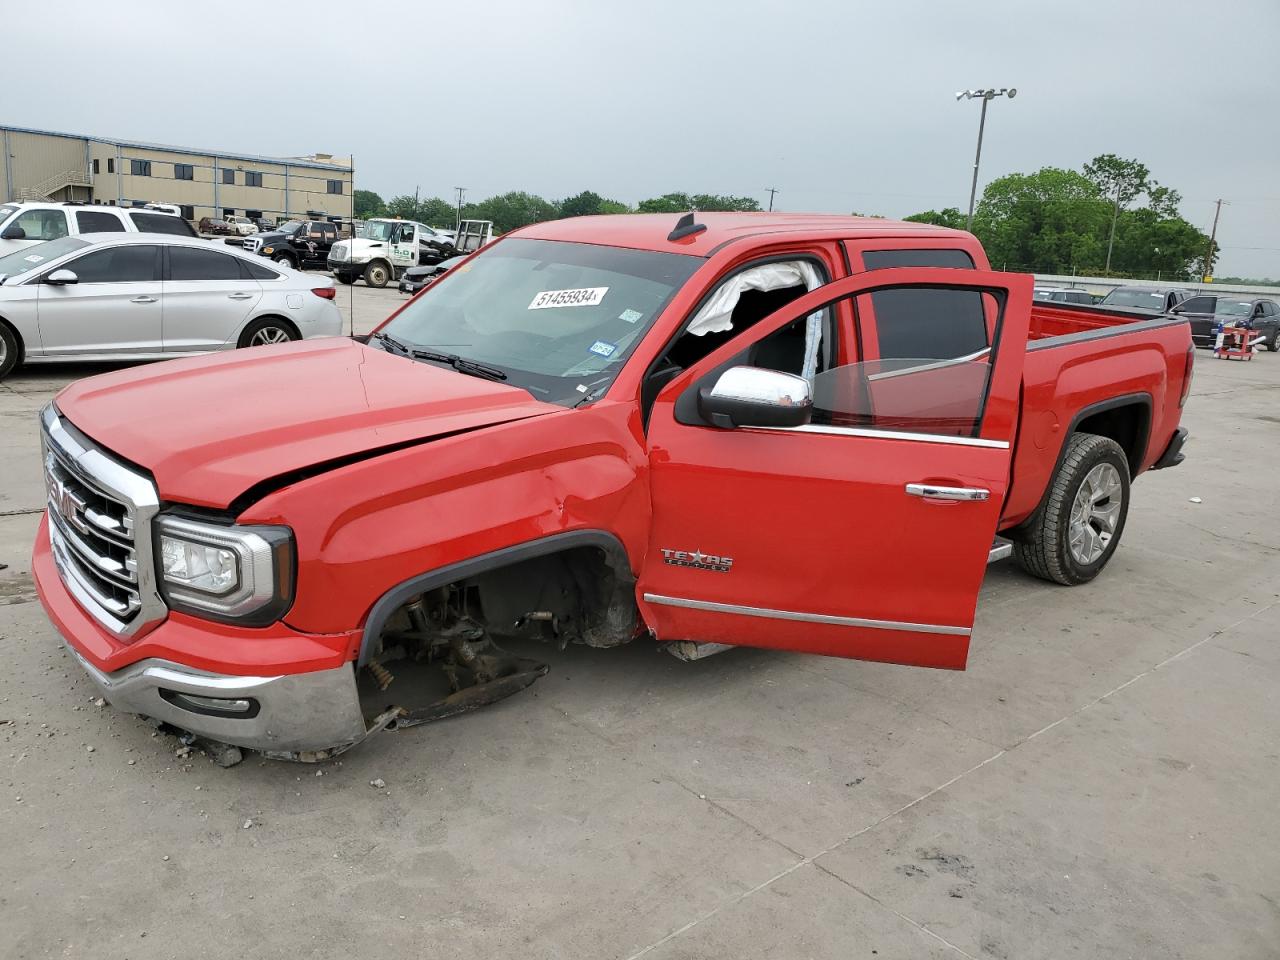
(649,231)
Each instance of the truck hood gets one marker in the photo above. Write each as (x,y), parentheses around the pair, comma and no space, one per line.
(210,428)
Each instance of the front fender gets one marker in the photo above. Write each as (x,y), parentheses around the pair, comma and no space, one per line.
(366,528)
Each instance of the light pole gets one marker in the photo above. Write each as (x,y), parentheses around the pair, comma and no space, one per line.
(986,96)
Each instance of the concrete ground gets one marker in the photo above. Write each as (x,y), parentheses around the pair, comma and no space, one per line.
(1101,782)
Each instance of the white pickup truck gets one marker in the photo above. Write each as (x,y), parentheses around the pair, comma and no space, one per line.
(382,250)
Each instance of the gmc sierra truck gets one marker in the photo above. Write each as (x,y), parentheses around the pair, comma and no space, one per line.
(801,432)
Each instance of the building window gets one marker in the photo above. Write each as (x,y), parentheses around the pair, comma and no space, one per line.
(228,176)
(140,168)
(253,214)
(335,186)
(188,211)
(95,165)
(111,164)
(183,171)
(228,212)
(252,178)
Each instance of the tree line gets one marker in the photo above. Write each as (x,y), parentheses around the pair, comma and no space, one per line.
(1110,217)
(510,211)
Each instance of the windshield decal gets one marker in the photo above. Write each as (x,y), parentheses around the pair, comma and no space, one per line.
(34,258)
(630,316)
(582,297)
(604,349)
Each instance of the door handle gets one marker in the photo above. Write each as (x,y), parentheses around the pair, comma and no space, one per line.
(947,493)
(143,300)
(239,296)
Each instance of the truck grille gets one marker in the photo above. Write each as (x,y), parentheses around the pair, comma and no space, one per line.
(252,244)
(100,529)
(338,252)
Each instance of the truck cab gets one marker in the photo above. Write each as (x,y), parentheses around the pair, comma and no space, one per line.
(383,249)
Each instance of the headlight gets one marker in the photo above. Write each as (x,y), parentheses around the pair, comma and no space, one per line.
(243,574)
(268,249)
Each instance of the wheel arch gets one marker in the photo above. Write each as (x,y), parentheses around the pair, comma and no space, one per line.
(614,556)
(22,345)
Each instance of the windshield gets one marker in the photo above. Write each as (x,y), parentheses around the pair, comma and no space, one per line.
(1233,308)
(558,318)
(1152,299)
(375,230)
(289,226)
(35,257)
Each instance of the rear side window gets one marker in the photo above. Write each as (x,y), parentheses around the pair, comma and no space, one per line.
(123,264)
(256,271)
(91,221)
(1197,305)
(913,323)
(162,223)
(192,263)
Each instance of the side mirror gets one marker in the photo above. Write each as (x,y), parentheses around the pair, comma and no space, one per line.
(13,232)
(755,397)
(60,278)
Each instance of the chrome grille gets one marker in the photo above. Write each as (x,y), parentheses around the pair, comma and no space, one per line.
(252,245)
(99,528)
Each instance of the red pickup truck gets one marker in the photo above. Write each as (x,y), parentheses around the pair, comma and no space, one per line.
(803,432)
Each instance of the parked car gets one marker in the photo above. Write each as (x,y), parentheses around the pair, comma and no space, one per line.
(415,278)
(241,225)
(146,296)
(26,224)
(215,227)
(1155,299)
(1063,295)
(263,225)
(759,430)
(1206,311)
(300,244)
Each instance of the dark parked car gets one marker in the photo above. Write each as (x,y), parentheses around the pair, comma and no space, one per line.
(1206,311)
(300,244)
(1155,299)
(214,226)
(415,278)
(1063,295)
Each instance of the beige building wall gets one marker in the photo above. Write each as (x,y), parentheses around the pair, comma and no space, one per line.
(125,173)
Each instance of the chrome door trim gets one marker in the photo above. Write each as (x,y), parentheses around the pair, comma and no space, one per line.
(769,614)
(966,494)
(888,435)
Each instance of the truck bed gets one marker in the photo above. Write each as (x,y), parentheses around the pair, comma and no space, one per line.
(1082,361)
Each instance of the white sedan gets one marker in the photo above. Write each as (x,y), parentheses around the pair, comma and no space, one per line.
(150,296)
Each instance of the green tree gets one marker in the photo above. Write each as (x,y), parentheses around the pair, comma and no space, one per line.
(368,204)
(405,207)
(1050,220)
(585,204)
(946,217)
(718,202)
(707,202)
(614,206)
(437,213)
(667,203)
(510,211)
(1123,181)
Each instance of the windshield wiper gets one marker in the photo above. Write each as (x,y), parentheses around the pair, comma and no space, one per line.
(392,342)
(461,364)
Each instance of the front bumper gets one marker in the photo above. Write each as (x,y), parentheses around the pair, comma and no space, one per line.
(300,688)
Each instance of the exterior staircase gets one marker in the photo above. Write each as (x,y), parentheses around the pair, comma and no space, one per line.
(60,181)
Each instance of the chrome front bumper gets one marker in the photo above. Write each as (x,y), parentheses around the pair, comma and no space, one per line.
(288,716)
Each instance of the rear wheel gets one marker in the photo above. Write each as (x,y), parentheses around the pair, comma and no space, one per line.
(1074,534)
(266,331)
(345,278)
(1274,345)
(10,351)
(377,274)
(286,260)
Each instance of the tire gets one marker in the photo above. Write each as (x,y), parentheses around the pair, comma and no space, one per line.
(285,259)
(377,274)
(345,278)
(1274,345)
(10,351)
(1047,549)
(266,331)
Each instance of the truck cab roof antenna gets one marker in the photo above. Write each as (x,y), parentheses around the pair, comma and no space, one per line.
(685,227)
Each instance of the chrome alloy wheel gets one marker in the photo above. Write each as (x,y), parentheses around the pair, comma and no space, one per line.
(269,335)
(1094,514)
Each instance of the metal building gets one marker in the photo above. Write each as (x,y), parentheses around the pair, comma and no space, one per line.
(46,165)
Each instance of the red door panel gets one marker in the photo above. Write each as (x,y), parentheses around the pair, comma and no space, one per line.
(833,539)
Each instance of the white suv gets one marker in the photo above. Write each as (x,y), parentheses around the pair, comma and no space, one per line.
(24,224)
(242,225)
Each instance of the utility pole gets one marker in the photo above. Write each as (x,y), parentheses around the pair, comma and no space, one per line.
(1208,254)
(772,191)
(1115,215)
(416,214)
(461,192)
(986,96)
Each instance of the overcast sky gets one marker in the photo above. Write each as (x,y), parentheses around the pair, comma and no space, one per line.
(841,105)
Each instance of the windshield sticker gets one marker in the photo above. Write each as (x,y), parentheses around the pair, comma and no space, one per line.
(600,348)
(582,297)
(630,316)
(33,258)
